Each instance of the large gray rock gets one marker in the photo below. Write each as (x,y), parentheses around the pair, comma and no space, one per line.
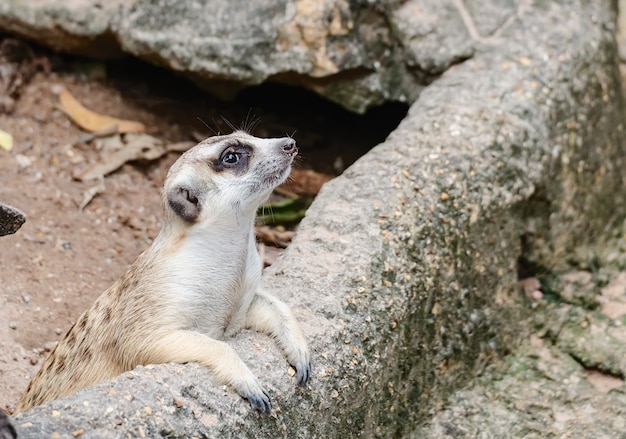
(404,271)
(566,381)
(358,54)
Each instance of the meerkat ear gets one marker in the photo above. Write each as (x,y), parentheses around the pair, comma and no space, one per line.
(185,202)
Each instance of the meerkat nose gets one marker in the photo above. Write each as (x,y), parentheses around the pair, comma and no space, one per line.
(290,147)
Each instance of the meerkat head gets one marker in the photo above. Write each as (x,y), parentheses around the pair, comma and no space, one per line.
(222,174)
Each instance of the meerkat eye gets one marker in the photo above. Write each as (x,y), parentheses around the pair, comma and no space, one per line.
(234,157)
(230,158)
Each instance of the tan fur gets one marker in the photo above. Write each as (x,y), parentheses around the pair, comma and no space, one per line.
(196,284)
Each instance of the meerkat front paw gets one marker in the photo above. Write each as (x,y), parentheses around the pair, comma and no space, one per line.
(301,362)
(256,395)
(260,402)
(303,373)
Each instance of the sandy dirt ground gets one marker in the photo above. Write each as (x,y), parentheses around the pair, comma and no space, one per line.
(64,256)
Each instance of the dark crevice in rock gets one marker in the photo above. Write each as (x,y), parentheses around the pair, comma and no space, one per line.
(535,212)
(595,367)
(325,131)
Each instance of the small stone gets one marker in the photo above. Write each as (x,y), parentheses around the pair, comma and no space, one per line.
(11,219)
(23,161)
(56,88)
(78,432)
(13,325)
(148,411)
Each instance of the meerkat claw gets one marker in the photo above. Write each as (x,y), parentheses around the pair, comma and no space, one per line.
(262,404)
(303,374)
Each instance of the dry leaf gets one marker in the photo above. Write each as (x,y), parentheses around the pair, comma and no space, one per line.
(274,237)
(94,122)
(137,147)
(6,141)
(91,193)
(305,181)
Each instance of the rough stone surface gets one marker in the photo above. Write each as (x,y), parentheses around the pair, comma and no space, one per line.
(565,381)
(404,272)
(11,219)
(357,53)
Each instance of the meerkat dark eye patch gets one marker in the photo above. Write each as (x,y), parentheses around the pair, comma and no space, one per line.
(234,157)
(184,202)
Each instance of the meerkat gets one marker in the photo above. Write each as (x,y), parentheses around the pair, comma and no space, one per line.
(197,284)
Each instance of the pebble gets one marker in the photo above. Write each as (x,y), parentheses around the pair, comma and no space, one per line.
(57,88)
(13,325)
(11,219)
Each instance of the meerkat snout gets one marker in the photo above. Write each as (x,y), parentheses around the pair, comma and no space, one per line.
(197,284)
(290,146)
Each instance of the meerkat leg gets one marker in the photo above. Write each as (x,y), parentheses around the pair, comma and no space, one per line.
(183,346)
(269,315)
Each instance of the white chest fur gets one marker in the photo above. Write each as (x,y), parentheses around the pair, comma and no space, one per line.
(212,279)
